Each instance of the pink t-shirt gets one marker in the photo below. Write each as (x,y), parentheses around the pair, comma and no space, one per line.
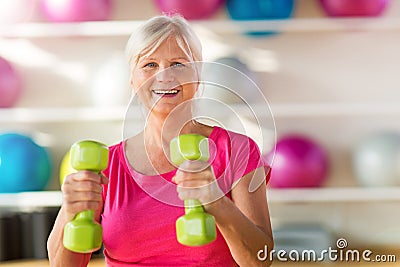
(140,211)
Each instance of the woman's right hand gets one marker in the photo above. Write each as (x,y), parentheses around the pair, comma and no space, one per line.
(83,191)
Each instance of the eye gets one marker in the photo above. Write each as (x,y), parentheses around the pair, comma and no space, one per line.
(150,65)
(177,64)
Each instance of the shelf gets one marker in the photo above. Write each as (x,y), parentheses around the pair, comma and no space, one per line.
(275,196)
(38,115)
(334,195)
(84,114)
(125,28)
(335,109)
(40,199)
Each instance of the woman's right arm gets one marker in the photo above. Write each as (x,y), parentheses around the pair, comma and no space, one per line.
(81,191)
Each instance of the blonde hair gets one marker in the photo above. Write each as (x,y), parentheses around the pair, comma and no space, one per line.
(151,34)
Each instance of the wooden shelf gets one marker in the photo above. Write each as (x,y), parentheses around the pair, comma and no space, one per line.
(275,196)
(125,28)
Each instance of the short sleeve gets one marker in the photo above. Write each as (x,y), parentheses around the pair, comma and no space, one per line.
(113,165)
(244,157)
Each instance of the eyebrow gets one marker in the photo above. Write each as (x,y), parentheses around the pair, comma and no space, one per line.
(175,58)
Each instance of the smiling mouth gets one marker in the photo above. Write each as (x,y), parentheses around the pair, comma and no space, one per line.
(166,92)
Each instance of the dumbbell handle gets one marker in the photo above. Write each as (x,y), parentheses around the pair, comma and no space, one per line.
(193,206)
(196,227)
(83,234)
(190,147)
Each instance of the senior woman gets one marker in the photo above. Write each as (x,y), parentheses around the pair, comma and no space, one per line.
(138,228)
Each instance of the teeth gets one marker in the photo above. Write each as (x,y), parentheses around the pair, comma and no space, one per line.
(166,91)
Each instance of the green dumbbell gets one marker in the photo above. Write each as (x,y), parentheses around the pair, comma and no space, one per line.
(196,227)
(83,234)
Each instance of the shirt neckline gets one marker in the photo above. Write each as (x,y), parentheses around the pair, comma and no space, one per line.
(212,136)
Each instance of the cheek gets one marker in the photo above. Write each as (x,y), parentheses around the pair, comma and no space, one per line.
(190,90)
(140,81)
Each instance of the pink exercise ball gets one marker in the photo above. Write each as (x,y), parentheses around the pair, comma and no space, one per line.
(299,162)
(343,8)
(76,10)
(190,9)
(10,84)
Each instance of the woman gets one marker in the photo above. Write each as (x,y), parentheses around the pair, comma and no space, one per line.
(138,223)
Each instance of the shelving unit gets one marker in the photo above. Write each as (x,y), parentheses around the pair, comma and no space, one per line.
(27,200)
(117,114)
(123,28)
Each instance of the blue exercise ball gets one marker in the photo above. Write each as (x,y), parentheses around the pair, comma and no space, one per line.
(376,160)
(24,165)
(260,10)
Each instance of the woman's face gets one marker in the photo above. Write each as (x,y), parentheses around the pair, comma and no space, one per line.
(164,78)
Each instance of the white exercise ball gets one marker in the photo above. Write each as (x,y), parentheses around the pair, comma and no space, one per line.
(229,80)
(376,160)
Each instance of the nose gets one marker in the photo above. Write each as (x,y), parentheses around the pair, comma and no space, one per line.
(165,75)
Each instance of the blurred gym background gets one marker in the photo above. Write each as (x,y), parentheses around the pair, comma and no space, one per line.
(328,69)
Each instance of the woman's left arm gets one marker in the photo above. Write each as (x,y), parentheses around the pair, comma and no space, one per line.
(244,221)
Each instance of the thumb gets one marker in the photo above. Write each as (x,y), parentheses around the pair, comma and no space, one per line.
(104,179)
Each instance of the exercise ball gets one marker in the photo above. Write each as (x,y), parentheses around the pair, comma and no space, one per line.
(65,167)
(299,162)
(24,165)
(376,160)
(260,10)
(76,10)
(191,10)
(10,84)
(229,80)
(343,8)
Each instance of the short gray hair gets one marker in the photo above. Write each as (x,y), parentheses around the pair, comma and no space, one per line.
(150,35)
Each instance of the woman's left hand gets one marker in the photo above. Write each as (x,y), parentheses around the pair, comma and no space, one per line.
(196,180)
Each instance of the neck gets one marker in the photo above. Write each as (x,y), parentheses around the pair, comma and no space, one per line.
(162,128)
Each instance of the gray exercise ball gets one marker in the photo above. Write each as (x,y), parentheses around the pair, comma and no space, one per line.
(229,80)
(376,160)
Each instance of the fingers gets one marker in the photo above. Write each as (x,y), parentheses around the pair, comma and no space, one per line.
(200,185)
(76,207)
(194,170)
(83,197)
(83,176)
(193,179)
(192,193)
(205,194)
(194,166)
(82,191)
